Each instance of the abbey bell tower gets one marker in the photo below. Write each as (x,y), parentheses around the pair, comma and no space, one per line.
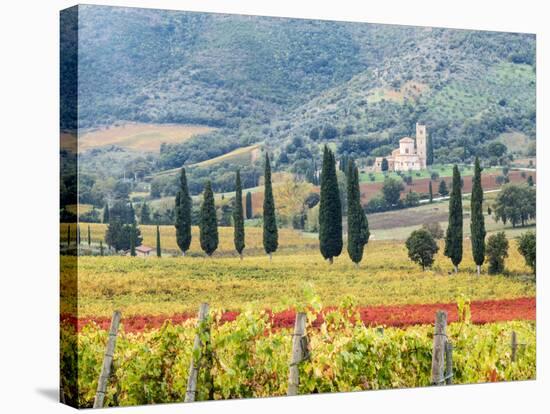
(421,138)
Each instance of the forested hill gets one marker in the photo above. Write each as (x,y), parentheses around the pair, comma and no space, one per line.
(259,78)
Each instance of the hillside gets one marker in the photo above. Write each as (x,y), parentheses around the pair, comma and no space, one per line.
(290,86)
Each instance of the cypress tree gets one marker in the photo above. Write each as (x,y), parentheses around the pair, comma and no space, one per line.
(530,181)
(385,165)
(78,234)
(89,236)
(145,214)
(131,214)
(429,151)
(101,248)
(133,240)
(453,239)
(443,188)
(270,232)
(106,214)
(208,222)
(159,252)
(183,215)
(477,224)
(330,210)
(238,219)
(431,192)
(248,205)
(358,226)
(68,235)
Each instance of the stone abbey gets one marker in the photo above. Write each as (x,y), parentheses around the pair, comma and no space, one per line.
(411,154)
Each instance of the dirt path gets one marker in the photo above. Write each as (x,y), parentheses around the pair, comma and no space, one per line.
(398,316)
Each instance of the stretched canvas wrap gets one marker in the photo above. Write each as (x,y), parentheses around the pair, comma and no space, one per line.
(257,207)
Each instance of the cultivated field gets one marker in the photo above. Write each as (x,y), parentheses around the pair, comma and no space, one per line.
(289,240)
(139,137)
(151,286)
(399,224)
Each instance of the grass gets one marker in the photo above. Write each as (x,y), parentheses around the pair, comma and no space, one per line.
(289,239)
(170,285)
(444,170)
(140,137)
(241,156)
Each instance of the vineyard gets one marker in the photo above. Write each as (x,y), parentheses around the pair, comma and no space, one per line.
(175,285)
(249,357)
(375,331)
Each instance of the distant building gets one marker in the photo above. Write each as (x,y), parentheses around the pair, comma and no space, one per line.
(408,156)
(144,250)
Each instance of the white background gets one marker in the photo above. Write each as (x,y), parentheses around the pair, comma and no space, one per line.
(29,204)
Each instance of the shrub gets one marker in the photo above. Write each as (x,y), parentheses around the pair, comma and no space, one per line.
(376,205)
(421,248)
(496,251)
(412,199)
(443,191)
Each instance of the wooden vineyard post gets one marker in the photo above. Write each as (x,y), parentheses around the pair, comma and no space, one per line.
(514,346)
(438,354)
(196,356)
(107,361)
(61,392)
(448,363)
(299,353)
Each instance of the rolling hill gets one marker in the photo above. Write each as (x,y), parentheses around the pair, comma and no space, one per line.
(292,85)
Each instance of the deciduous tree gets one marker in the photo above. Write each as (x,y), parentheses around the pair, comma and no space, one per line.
(516,204)
(527,246)
(421,248)
(497,251)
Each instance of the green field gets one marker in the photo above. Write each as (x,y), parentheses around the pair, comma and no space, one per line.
(444,170)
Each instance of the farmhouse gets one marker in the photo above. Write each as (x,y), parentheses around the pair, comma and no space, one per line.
(408,156)
(143,250)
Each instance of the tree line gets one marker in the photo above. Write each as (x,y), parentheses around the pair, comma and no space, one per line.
(422,246)
(123,233)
